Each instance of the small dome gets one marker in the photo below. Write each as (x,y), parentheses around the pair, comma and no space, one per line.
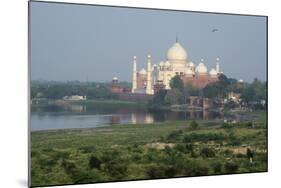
(201,69)
(161,63)
(115,78)
(213,72)
(177,52)
(190,64)
(167,64)
(142,71)
(189,72)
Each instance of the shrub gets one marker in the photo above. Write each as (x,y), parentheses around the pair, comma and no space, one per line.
(180,148)
(228,152)
(193,137)
(227,125)
(174,135)
(94,162)
(117,170)
(82,178)
(196,168)
(111,155)
(217,167)
(156,171)
(231,167)
(69,167)
(235,142)
(193,125)
(170,171)
(87,149)
(189,147)
(207,152)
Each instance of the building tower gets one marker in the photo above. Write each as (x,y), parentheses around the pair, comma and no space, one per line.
(217,65)
(148,77)
(134,76)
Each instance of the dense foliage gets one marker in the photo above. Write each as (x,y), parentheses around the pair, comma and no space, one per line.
(173,149)
(255,91)
(58,90)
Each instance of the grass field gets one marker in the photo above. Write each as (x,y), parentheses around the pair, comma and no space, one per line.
(148,151)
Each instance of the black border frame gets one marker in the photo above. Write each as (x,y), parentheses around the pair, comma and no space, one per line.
(131,7)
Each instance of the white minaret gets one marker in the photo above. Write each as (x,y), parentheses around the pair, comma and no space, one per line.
(148,77)
(217,65)
(134,76)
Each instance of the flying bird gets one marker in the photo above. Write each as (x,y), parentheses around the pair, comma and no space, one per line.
(214,30)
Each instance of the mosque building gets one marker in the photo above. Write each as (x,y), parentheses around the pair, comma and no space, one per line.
(154,77)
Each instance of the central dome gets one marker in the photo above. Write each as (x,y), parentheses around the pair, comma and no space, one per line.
(177,52)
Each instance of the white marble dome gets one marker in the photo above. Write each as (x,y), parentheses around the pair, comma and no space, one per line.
(213,72)
(201,69)
(115,78)
(142,71)
(177,52)
(167,64)
(161,63)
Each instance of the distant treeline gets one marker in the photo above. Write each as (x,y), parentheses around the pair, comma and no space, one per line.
(57,90)
(255,91)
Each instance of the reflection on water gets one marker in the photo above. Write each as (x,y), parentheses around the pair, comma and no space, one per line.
(88,116)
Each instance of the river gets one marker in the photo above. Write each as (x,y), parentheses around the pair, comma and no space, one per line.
(87,116)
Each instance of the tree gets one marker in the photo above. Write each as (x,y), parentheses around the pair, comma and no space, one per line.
(174,96)
(255,91)
(218,89)
(193,125)
(159,97)
(176,83)
(189,90)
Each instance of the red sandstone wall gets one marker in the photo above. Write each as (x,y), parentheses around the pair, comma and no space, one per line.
(116,89)
(141,80)
(199,81)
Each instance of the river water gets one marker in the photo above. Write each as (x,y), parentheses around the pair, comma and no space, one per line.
(86,116)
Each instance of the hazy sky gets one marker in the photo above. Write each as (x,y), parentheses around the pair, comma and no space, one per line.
(77,42)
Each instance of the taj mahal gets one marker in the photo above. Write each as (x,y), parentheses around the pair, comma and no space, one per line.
(155,77)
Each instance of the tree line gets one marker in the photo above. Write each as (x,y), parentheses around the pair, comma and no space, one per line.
(59,90)
(257,90)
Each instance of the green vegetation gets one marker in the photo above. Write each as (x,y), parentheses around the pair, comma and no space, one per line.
(178,93)
(92,105)
(145,151)
(57,90)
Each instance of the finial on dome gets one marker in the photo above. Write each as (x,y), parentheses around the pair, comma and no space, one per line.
(176,39)
(202,59)
(217,59)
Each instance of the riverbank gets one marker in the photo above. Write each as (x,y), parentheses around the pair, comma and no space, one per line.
(105,104)
(146,151)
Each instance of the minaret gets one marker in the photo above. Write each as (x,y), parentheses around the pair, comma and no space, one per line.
(217,65)
(148,76)
(134,76)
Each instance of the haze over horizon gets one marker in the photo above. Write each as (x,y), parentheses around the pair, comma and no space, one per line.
(95,43)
